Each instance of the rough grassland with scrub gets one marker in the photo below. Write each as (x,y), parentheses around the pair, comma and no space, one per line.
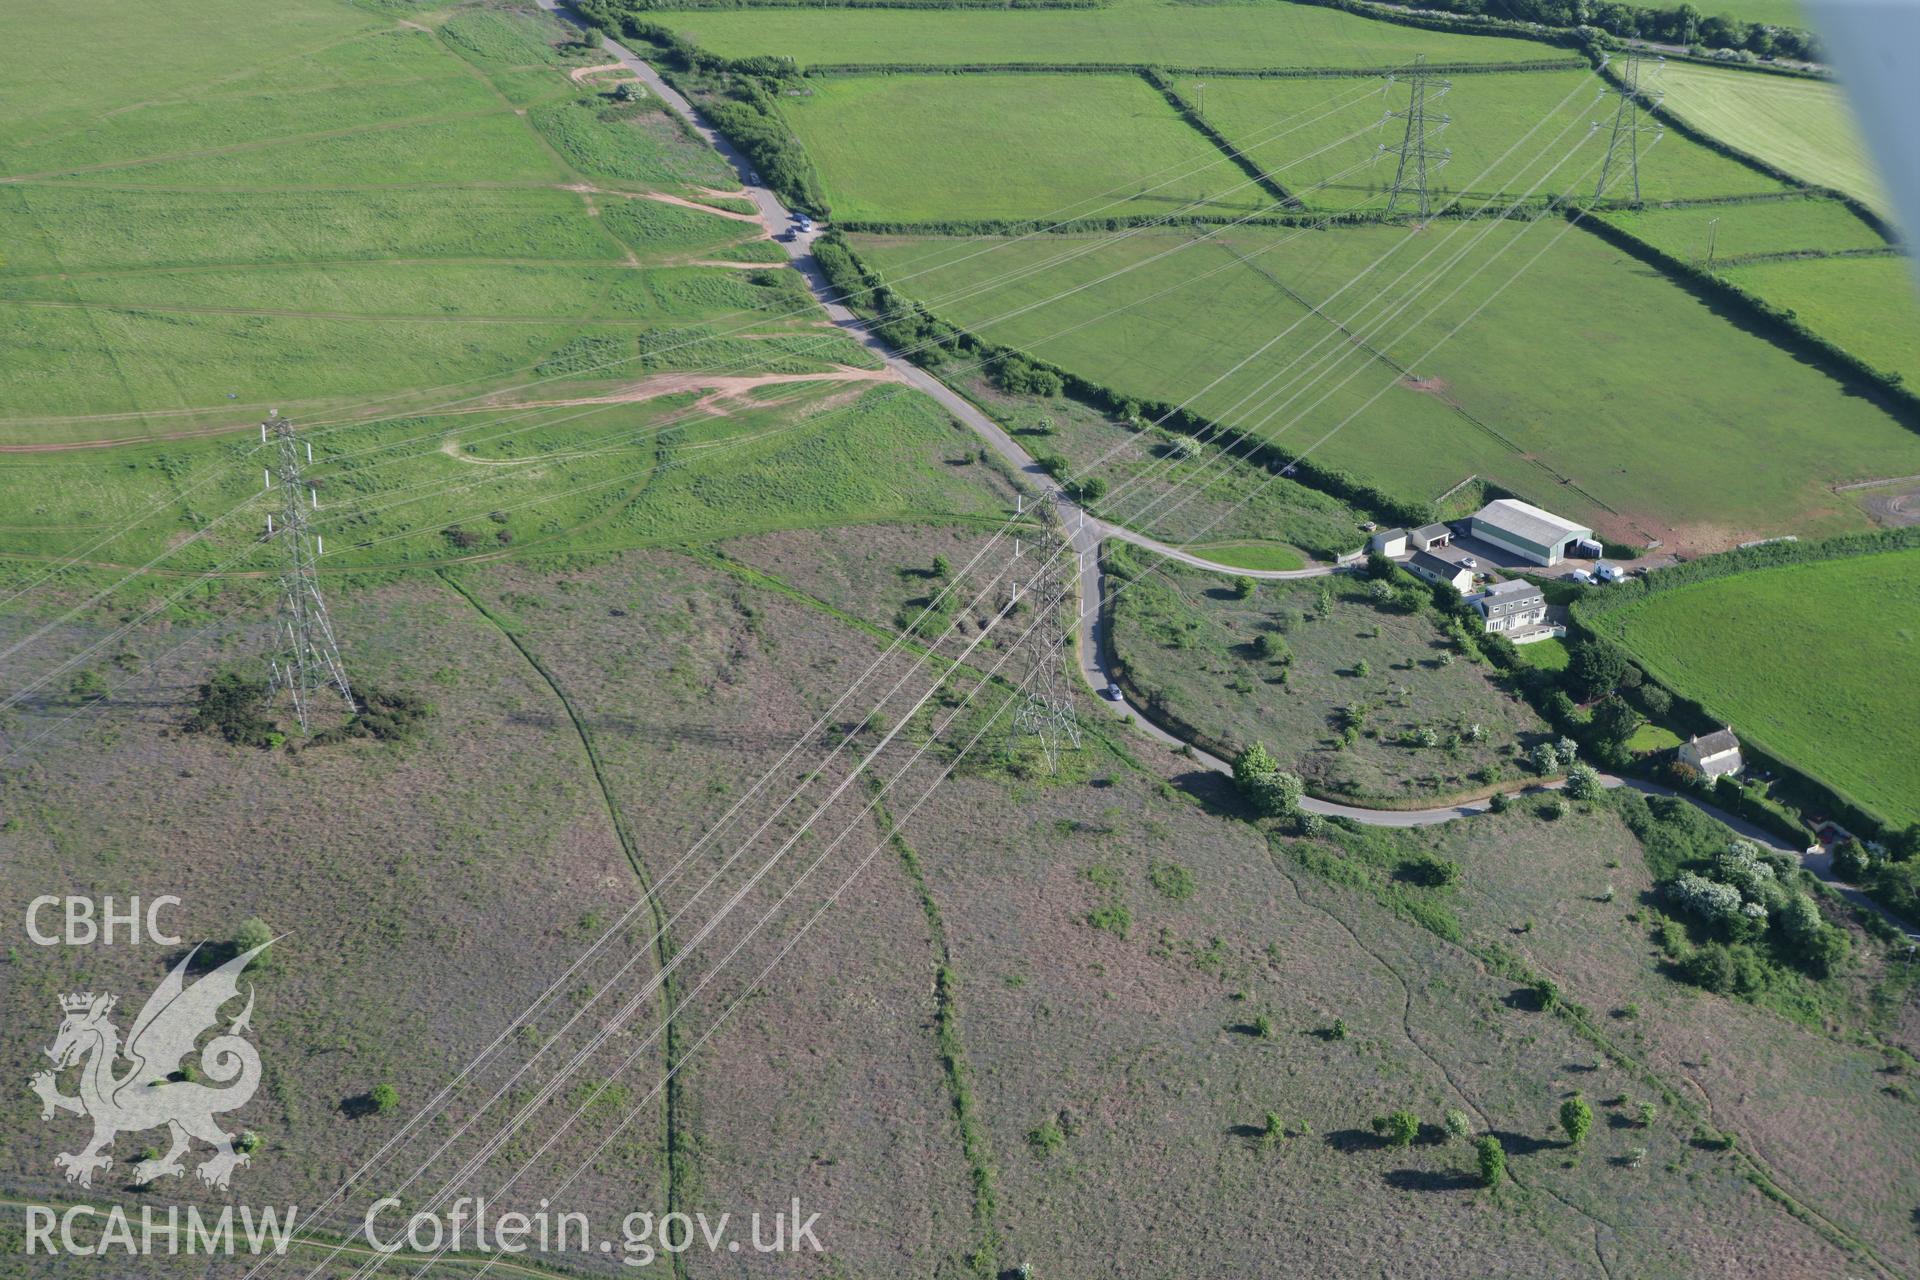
(1349,707)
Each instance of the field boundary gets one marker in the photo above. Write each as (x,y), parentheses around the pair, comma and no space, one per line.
(672,1102)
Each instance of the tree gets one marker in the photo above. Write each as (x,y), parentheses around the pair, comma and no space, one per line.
(1272,792)
(1850,861)
(1614,719)
(1594,667)
(384,1098)
(1271,647)
(1457,1125)
(1646,1114)
(1399,1128)
(1244,587)
(942,567)
(1576,1117)
(1545,759)
(1379,567)
(1493,1161)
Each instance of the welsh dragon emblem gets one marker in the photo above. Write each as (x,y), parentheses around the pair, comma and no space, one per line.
(154,1089)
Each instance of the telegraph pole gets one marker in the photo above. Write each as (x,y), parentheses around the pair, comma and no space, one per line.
(1713,235)
(1418,156)
(1623,144)
(307,660)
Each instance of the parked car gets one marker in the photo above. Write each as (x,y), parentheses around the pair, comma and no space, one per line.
(1469,562)
(1581,576)
(1112,693)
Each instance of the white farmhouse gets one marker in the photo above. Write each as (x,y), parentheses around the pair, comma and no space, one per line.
(1714,754)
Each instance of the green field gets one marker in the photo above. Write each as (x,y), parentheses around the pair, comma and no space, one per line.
(1805,127)
(1808,661)
(1562,377)
(1866,305)
(918,148)
(1760,227)
(1262,33)
(1510,133)
(359,215)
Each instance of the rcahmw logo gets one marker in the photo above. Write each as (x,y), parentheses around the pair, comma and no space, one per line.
(87,1232)
(158,1087)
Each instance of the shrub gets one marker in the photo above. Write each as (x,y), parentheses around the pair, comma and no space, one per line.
(1263,1027)
(1850,861)
(1431,871)
(253,932)
(1583,782)
(1113,917)
(1457,1125)
(1576,1117)
(1492,1158)
(1499,802)
(1709,968)
(234,707)
(1047,1138)
(1172,879)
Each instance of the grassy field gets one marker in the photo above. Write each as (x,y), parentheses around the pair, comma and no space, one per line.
(1257,34)
(1803,126)
(917,148)
(1867,305)
(1796,659)
(1511,133)
(1556,380)
(361,215)
(1186,643)
(1763,227)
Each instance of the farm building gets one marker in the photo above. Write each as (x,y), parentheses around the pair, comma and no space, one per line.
(1389,542)
(1434,569)
(1713,755)
(1511,606)
(1429,536)
(1527,531)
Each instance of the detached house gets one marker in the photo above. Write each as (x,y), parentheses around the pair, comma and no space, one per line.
(1511,606)
(1433,568)
(1714,754)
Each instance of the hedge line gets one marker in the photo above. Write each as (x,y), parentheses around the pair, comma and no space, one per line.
(1784,325)
(1569,37)
(1125,222)
(742,103)
(1139,68)
(1591,21)
(917,329)
(1813,792)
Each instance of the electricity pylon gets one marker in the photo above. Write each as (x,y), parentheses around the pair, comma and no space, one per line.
(307,660)
(1623,144)
(1047,711)
(1418,156)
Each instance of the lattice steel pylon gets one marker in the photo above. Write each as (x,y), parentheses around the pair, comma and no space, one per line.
(1627,128)
(1418,156)
(307,660)
(1047,710)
